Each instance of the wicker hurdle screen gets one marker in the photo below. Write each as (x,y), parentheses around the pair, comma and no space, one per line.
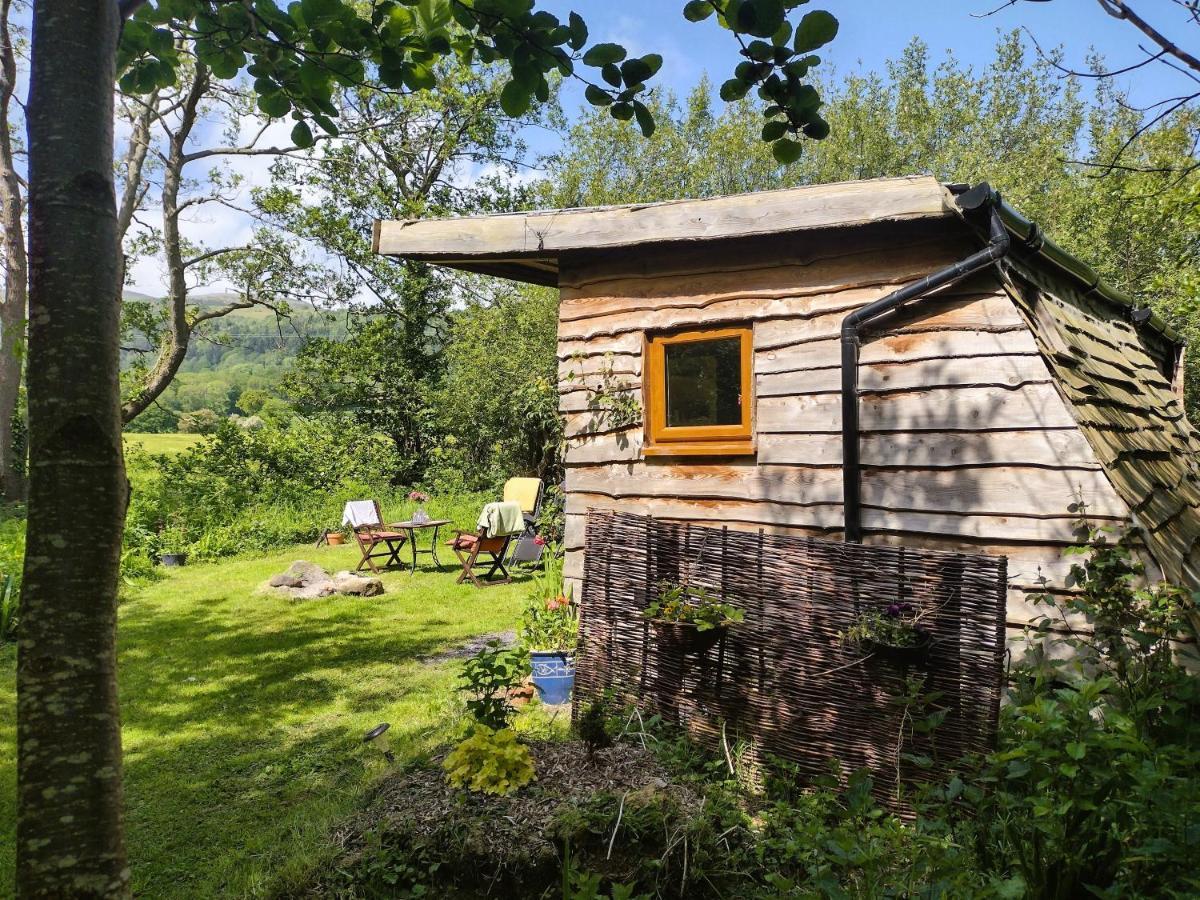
(784,679)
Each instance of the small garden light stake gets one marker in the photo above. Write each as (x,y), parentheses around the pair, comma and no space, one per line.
(378,738)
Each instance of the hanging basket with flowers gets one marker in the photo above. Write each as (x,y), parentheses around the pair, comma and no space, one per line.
(690,618)
(894,631)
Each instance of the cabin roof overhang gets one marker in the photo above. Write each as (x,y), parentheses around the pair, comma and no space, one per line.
(527,246)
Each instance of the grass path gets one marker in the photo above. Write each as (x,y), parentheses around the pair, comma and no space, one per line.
(243,714)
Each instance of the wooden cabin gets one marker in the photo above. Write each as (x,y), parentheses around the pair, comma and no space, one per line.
(701,370)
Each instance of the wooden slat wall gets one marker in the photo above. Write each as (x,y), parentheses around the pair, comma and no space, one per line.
(967,443)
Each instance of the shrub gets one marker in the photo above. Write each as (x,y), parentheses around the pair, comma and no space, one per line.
(1094,786)
(9,597)
(200,421)
(490,761)
(487,678)
(241,490)
(551,618)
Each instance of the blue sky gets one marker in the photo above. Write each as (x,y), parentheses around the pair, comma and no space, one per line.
(874,30)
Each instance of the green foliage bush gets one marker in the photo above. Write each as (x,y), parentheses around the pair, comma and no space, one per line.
(486,679)
(691,605)
(490,762)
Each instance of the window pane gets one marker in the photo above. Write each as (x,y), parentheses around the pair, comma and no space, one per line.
(704,383)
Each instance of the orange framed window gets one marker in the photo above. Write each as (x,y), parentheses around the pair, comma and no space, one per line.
(699,392)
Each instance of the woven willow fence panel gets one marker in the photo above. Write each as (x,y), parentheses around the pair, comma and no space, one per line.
(784,680)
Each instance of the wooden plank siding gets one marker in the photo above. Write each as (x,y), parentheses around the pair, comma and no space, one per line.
(967,442)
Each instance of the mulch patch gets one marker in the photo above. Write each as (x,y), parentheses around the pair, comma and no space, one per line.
(501,838)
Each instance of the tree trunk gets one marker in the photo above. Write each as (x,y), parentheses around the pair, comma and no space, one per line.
(70,840)
(12,313)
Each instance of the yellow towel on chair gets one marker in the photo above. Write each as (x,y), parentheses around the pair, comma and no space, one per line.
(523,491)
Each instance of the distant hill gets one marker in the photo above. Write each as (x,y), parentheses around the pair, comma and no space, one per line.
(249,348)
(255,336)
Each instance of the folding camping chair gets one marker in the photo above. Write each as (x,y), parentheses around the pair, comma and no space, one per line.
(528,493)
(499,523)
(366,521)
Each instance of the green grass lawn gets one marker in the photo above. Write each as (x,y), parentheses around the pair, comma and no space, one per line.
(243,714)
(161,443)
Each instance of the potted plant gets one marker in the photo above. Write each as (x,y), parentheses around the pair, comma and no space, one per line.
(550,631)
(894,631)
(419,516)
(690,617)
(335,538)
(171,541)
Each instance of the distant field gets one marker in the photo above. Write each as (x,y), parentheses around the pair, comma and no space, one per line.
(161,443)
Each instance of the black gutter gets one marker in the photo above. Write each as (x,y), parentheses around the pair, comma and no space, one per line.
(1033,239)
(974,201)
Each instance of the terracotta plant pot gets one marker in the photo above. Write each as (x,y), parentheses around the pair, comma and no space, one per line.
(686,637)
(336,538)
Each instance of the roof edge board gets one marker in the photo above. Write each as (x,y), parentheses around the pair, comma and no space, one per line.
(549,233)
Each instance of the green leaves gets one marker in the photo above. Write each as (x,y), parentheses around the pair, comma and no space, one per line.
(816,29)
(597,96)
(302,135)
(604,54)
(515,99)
(638,71)
(761,18)
(786,151)
(644,119)
(579,32)
(773,131)
(300,54)
(734,89)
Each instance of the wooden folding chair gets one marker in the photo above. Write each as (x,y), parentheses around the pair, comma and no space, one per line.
(373,535)
(470,547)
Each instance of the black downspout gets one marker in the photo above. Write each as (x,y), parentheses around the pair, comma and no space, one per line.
(980,197)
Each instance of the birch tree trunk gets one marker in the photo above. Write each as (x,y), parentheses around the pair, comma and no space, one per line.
(12,312)
(70,839)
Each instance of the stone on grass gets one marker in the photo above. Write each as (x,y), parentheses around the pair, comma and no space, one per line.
(351,583)
(308,581)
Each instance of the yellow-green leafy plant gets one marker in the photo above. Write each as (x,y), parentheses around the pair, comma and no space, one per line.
(491,762)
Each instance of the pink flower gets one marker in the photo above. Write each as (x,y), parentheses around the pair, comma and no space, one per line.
(540,541)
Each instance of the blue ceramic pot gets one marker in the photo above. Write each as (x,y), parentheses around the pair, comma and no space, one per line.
(553,675)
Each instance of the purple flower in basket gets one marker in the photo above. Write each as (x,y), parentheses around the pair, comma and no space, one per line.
(893,610)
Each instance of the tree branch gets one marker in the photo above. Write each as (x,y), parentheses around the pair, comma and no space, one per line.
(1119,9)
